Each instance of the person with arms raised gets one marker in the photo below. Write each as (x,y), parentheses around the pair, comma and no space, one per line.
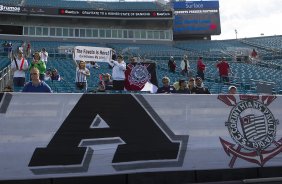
(118,74)
(19,66)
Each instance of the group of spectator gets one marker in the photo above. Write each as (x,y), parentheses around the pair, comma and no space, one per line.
(185,69)
(116,81)
(37,71)
(194,86)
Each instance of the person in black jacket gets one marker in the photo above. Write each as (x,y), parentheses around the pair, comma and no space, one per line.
(199,88)
(166,88)
(171,64)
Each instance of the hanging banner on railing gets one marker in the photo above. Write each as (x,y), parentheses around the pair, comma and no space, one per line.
(97,54)
(69,135)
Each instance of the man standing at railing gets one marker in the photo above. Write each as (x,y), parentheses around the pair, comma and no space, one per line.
(19,66)
(44,55)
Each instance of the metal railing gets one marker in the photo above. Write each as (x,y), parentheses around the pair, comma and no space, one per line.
(5,77)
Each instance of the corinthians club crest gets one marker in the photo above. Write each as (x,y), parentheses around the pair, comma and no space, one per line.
(139,74)
(252,127)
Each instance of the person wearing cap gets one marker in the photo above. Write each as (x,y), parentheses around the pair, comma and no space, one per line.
(199,87)
(185,66)
(232,90)
(19,66)
(224,70)
(118,74)
(171,64)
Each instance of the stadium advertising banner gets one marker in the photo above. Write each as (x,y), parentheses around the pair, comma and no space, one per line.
(84,13)
(98,54)
(39,11)
(68,135)
(105,13)
(197,18)
(9,9)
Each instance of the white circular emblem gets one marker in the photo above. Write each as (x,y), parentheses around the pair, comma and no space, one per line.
(139,75)
(252,125)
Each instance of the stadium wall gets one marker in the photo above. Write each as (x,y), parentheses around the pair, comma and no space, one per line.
(23,20)
(59,138)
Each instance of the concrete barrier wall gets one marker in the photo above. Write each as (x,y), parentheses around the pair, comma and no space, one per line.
(137,138)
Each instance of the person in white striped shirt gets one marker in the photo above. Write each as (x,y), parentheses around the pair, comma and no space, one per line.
(81,76)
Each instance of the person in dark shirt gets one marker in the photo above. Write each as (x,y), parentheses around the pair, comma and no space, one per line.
(232,90)
(55,75)
(199,88)
(105,83)
(171,64)
(183,87)
(166,88)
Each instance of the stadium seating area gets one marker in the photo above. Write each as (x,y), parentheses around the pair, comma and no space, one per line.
(245,75)
(4,62)
(274,42)
(150,51)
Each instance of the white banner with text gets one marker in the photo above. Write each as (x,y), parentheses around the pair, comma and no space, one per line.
(97,54)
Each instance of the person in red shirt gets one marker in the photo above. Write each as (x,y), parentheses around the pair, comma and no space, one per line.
(201,68)
(254,54)
(224,70)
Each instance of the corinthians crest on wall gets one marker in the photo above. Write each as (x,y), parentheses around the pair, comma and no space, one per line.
(252,126)
(137,75)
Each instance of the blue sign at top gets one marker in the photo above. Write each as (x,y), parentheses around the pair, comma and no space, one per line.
(196,5)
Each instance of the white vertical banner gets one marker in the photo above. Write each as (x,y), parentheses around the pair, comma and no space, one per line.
(98,54)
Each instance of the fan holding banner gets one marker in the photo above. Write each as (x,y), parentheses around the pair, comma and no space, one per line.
(118,76)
